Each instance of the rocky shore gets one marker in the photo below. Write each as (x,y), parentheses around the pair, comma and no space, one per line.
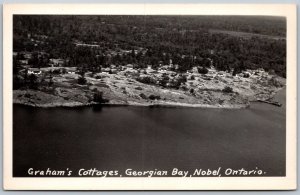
(124,89)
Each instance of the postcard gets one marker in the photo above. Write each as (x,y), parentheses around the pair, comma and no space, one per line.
(149,96)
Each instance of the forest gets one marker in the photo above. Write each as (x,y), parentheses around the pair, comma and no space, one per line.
(185,40)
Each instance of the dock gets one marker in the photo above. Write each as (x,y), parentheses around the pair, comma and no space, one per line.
(271,102)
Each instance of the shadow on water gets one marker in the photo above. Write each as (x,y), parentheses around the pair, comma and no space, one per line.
(97,108)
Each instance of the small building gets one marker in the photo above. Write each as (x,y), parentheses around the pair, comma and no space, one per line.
(113,66)
(34,71)
(160,63)
(194,70)
(113,71)
(246,74)
(87,45)
(121,68)
(176,66)
(106,69)
(221,73)
(71,70)
(27,55)
(57,62)
(130,66)
(23,62)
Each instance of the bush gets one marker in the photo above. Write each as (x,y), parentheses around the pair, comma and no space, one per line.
(227,89)
(98,97)
(154,97)
(182,79)
(163,82)
(202,70)
(63,71)
(246,75)
(192,91)
(139,88)
(27,95)
(33,82)
(50,83)
(146,80)
(184,88)
(275,82)
(56,71)
(143,96)
(81,80)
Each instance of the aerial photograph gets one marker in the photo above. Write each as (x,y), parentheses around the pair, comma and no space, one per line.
(149,96)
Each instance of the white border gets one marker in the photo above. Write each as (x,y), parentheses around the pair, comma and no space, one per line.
(199,183)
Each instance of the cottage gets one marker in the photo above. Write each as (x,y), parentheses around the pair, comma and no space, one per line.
(71,72)
(130,66)
(121,68)
(106,69)
(113,66)
(87,45)
(34,71)
(160,63)
(246,74)
(194,70)
(113,71)
(221,74)
(23,62)
(27,55)
(57,62)
(176,66)
(165,67)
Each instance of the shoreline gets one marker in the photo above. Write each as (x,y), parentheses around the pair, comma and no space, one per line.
(43,100)
(149,105)
(153,104)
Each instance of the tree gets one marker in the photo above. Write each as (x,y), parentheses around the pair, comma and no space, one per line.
(182,79)
(50,81)
(82,79)
(202,70)
(236,71)
(34,60)
(98,96)
(32,81)
(163,82)
(227,89)
(192,91)
(17,82)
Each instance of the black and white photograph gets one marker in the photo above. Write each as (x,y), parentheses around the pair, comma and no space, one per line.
(149,96)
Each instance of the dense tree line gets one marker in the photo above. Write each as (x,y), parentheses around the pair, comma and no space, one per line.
(184,39)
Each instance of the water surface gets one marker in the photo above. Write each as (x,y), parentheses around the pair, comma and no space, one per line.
(143,138)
